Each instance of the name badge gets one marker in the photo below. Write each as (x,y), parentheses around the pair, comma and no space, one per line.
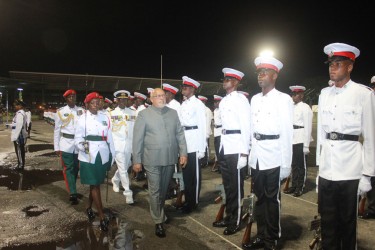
(104,123)
(79,112)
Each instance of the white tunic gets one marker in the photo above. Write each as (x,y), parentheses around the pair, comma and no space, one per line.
(19,124)
(192,113)
(271,114)
(348,110)
(209,118)
(66,120)
(235,115)
(217,122)
(173,104)
(122,128)
(302,117)
(140,108)
(96,125)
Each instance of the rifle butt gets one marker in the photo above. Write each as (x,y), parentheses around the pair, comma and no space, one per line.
(246,236)
(178,203)
(220,213)
(361,206)
(313,242)
(286,186)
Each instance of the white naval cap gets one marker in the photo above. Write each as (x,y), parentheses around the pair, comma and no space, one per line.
(202,98)
(243,92)
(373,79)
(217,98)
(190,82)
(107,100)
(341,49)
(140,96)
(121,94)
(150,90)
(170,88)
(297,88)
(228,72)
(267,62)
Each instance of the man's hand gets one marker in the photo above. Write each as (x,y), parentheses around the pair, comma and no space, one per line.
(200,155)
(137,167)
(58,153)
(364,185)
(284,173)
(183,161)
(242,162)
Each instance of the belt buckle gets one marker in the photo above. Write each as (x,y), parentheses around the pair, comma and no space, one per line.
(333,136)
(257,136)
(224,131)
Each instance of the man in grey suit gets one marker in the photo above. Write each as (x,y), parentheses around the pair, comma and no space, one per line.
(158,141)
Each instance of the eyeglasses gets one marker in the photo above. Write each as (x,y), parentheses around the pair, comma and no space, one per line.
(158,96)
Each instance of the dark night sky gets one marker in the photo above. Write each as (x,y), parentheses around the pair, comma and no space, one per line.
(196,38)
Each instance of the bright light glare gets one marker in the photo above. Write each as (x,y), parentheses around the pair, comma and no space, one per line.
(266,53)
(20,89)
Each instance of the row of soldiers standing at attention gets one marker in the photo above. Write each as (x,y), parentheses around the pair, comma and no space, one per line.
(271,135)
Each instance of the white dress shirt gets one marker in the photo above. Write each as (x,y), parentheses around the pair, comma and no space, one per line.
(302,117)
(217,122)
(122,128)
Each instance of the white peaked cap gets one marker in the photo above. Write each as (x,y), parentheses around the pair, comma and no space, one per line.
(373,79)
(191,82)
(139,95)
(342,49)
(297,88)
(217,98)
(266,62)
(331,83)
(202,98)
(170,88)
(228,72)
(121,94)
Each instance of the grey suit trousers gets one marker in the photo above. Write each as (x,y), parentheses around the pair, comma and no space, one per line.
(158,181)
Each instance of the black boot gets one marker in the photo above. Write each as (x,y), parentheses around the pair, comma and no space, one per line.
(90,214)
(73,199)
(104,225)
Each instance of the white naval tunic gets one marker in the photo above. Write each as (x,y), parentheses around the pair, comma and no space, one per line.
(192,113)
(140,108)
(217,122)
(302,117)
(97,125)
(122,128)
(209,117)
(173,104)
(235,115)
(347,110)
(271,114)
(19,124)
(66,120)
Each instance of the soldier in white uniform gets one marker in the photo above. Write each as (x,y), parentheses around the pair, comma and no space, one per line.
(345,111)
(19,133)
(123,120)
(140,101)
(271,151)
(217,131)
(93,139)
(234,149)
(66,119)
(209,117)
(170,93)
(302,127)
(370,212)
(193,119)
(28,121)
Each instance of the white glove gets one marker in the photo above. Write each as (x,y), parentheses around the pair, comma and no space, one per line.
(284,173)
(242,162)
(200,155)
(80,147)
(364,185)
(306,150)
(317,182)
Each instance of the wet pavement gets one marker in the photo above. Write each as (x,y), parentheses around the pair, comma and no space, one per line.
(35,212)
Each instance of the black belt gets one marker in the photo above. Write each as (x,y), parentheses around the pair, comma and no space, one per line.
(95,138)
(190,127)
(340,137)
(218,126)
(232,131)
(69,136)
(297,127)
(261,137)
(13,127)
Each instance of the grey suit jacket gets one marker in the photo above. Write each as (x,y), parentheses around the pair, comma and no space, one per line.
(158,137)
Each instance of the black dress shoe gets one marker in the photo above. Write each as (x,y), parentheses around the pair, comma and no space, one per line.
(104,225)
(254,244)
(159,230)
(231,229)
(220,223)
(73,199)
(90,214)
(186,210)
(290,190)
(297,193)
(367,215)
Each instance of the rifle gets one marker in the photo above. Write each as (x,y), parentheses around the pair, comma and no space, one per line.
(316,241)
(248,205)
(361,206)
(181,187)
(220,199)
(286,186)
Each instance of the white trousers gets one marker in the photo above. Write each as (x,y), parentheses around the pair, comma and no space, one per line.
(123,161)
